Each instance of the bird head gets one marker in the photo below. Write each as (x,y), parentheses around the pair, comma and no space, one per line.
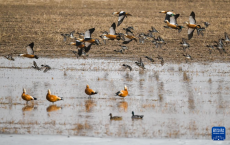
(125,88)
(115,13)
(72,43)
(35,56)
(49,92)
(198,26)
(163,12)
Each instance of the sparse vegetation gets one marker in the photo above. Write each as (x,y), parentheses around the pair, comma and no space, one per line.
(42,22)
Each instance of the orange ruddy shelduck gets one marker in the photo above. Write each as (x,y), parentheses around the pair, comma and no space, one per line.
(112,34)
(171,21)
(89,91)
(122,16)
(30,51)
(128,38)
(52,98)
(82,48)
(87,37)
(27,97)
(192,25)
(123,93)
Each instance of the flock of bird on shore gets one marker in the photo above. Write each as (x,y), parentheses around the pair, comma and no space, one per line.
(84,43)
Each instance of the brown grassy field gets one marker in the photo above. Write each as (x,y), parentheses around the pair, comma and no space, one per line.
(42,22)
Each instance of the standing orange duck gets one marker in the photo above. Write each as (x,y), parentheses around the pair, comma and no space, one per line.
(123,93)
(89,91)
(30,51)
(52,98)
(27,97)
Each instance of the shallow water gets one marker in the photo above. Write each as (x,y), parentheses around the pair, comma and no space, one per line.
(177,100)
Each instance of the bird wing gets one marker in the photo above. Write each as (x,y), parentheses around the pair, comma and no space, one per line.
(176,16)
(199,31)
(167,17)
(112,29)
(78,42)
(162,62)
(47,68)
(190,33)
(88,33)
(142,64)
(226,36)
(87,46)
(64,37)
(122,36)
(221,42)
(192,19)
(80,51)
(130,68)
(141,40)
(126,40)
(30,48)
(183,41)
(71,34)
(75,53)
(129,33)
(154,29)
(206,24)
(118,93)
(121,18)
(162,39)
(172,20)
(35,64)
(10,55)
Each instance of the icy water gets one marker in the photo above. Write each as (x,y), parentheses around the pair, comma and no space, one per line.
(177,100)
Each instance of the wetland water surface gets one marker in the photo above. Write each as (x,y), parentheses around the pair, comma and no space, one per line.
(177,100)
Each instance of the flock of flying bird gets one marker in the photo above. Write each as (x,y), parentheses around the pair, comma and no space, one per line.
(85,41)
